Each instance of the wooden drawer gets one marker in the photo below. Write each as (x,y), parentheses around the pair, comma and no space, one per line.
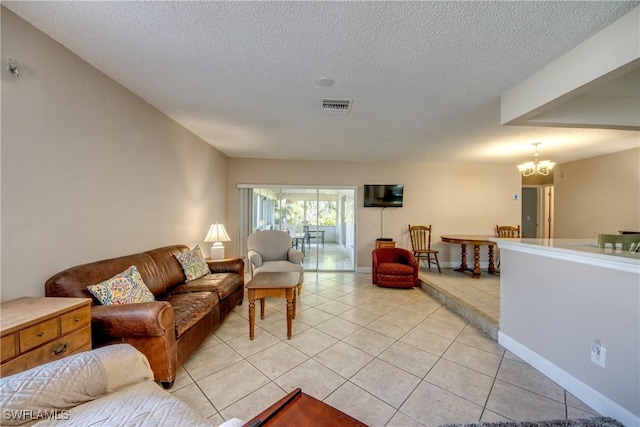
(38,334)
(75,342)
(385,244)
(8,347)
(75,319)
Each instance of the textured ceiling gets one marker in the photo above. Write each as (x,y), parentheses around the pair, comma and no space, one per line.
(425,77)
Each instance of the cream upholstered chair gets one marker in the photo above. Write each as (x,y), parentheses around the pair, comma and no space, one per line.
(271,251)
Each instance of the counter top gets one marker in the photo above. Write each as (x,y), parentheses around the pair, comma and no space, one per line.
(580,250)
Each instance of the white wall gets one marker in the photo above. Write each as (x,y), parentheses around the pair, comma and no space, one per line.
(454,198)
(89,170)
(552,306)
(597,195)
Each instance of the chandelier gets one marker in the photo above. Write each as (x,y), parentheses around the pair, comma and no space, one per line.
(537,167)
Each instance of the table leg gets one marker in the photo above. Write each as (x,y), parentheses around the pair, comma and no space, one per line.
(252,312)
(476,261)
(295,299)
(262,308)
(290,296)
(492,264)
(463,260)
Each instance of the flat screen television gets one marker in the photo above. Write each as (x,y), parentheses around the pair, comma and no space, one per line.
(383,196)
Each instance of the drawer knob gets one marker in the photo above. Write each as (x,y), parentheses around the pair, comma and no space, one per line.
(41,334)
(76,319)
(59,349)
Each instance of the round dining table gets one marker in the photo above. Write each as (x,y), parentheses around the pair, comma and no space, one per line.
(476,241)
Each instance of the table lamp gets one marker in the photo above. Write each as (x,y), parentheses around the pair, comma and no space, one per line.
(217,234)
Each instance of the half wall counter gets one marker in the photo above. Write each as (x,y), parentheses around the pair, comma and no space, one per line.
(557,297)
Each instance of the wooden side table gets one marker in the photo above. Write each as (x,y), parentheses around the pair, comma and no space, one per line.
(385,244)
(35,331)
(272,284)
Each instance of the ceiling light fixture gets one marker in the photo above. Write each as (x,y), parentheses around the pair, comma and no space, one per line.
(537,167)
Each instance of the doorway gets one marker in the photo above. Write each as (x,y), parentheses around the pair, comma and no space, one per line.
(529,212)
(320,220)
(537,211)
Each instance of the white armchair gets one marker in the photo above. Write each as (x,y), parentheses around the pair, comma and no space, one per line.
(271,251)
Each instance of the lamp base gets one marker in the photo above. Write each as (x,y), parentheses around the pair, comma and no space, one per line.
(217,252)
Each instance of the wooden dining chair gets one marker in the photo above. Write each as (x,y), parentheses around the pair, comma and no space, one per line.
(508,231)
(421,244)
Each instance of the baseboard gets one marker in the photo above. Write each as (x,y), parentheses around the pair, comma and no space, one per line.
(582,391)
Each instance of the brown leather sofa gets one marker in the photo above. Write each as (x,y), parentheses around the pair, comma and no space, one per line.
(168,330)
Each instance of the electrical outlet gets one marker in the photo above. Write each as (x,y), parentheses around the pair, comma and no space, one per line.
(598,353)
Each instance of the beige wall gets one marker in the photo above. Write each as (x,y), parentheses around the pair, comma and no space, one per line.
(89,170)
(454,198)
(598,195)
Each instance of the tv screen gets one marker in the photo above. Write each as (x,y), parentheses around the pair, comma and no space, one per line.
(383,196)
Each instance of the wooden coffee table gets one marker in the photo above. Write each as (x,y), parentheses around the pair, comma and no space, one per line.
(281,285)
(301,410)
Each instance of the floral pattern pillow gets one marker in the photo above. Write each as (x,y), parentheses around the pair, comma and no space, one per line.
(123,288)
(193,264)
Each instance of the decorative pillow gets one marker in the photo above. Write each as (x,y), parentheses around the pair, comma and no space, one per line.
(123,288)
(193,264)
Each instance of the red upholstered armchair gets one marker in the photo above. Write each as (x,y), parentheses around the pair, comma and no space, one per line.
(394,267)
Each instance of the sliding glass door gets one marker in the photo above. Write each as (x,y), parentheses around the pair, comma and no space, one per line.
(320,221)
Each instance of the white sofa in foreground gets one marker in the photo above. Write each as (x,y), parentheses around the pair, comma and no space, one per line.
(107,386)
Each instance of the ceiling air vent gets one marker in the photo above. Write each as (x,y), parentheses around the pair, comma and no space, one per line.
(336,105)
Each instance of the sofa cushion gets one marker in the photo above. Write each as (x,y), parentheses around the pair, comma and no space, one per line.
(123,288)
(189,308)
(193,264)
(224,284)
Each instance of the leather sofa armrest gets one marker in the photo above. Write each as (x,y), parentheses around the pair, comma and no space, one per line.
(129,320)
(234,265)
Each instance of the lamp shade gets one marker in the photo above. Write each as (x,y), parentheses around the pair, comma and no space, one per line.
(217,233)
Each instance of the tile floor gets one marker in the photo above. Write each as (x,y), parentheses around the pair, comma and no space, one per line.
(394,357)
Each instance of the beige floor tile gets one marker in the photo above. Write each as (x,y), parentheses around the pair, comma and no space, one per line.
(427,341)
(313,316)
(579,414)
(440,327)
(182,379)
(277,360)
(210,342)
(338,328)
(445,315)
(193,396)
(210,360)
(409,358)
(333,307)
(313,378)
(386,382)
(360,405)
(377,306)
(216,419)
(389,327)
(433,406)
(231,384)
(279,329)
(369,341)
(471,357)
(331,294)
(312,299)
(359,317)
(312,341)
(492,417)
(478,339)
(353,300)
(461,381)
(402,420)
(248,347)
(403,315)
(232,326)
(343,359)
(521,405)
(528,378)
(254,403)
(574,402)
